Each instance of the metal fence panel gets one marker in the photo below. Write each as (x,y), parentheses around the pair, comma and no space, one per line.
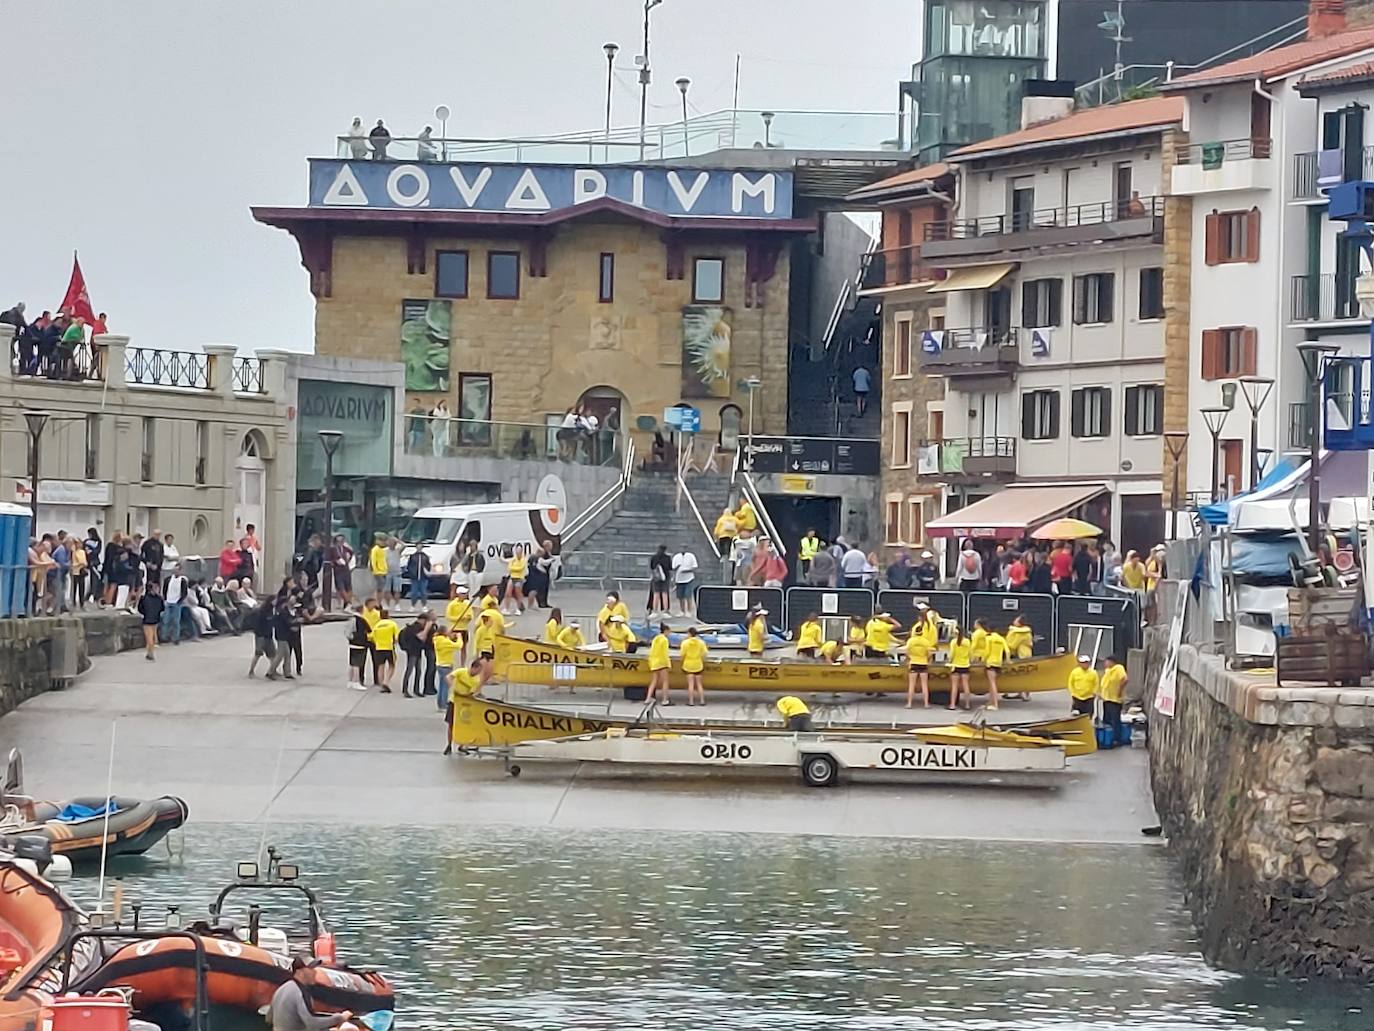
(827,601)
(998,608)
(630,565)
(1120,614)
(902,604)
(718,604)
(590,567)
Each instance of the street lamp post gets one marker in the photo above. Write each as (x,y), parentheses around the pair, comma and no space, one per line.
(1256,390)
(767,117)
(645,76)
(1215,418)
(611,50)
(330,441)
(442,112)
(36,421)
(1177,443)
(682,85)
(1314,356)
(752,384)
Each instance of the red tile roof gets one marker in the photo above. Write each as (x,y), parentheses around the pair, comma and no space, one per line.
(1109,119)
(1281,62)
(1355,73)
(915,177)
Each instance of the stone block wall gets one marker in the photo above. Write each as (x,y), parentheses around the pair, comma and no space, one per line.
(1178,291)
(32,650)
(1267,797)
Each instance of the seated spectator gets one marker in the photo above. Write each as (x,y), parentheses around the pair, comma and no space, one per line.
(224,612)
(197,604)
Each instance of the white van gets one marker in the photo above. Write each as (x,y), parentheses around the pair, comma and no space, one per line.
(501,530)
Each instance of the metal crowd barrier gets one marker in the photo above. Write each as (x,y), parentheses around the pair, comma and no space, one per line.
(1114,623)
(630,567)
(724,604)
(561,695)
(827,601)
(903,604)
(585,567)
(998,608)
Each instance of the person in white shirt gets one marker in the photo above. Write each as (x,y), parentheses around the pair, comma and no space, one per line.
(853,564)
(684,581)
(196,605)
(171,557)
(174,601)
(863,382)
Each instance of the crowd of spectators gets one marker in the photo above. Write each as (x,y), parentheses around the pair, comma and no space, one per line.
(53,346)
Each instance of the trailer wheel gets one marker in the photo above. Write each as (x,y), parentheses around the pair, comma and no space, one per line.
(514,771)
(819,771)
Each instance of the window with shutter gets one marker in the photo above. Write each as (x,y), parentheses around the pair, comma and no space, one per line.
(1213,246)
(1040,415)
(1080,301)
(1249,351)
(1028,312)
(1131,426)
(1252,235)
(1028,417)
(1211,344)
(1104,418)
(1077,401)
(1054,415)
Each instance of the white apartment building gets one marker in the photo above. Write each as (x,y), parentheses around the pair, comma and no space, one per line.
(1267,135)
(1052,343)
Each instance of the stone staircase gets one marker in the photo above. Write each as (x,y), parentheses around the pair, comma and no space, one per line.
(645,516)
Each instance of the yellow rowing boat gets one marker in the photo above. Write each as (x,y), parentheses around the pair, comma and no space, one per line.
(535,662)
(486,723)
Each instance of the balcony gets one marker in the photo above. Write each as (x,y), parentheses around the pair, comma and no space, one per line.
(1323,298)
(896,267)
(973,458)
(1316,171)
(1006,235)
(958,353)
(1221,166)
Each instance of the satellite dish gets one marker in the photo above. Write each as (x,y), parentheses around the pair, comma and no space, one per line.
(441,112)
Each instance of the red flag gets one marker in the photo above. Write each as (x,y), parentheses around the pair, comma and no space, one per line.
(77,301)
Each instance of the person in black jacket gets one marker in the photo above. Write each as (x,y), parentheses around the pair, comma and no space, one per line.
(358,649)
(150,608)
(259,621)
(414,641)
(153,554)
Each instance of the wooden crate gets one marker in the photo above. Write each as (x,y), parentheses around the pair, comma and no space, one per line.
(1310,607)
(1332,656)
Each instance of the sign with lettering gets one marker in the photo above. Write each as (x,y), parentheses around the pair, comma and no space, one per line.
(362,412)
(532,189)
(844,456)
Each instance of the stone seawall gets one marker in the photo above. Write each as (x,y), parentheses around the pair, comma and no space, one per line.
(37,655)
(1267,797)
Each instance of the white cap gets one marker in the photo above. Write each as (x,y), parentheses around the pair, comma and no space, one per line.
(1085,658)
(460,590)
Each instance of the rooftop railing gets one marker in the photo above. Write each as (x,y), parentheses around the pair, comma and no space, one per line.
(1047,218)
(1216,153)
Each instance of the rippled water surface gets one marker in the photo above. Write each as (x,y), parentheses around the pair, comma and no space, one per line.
(617,931)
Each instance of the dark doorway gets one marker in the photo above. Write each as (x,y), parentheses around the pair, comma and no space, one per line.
(793,515)
(1142,522)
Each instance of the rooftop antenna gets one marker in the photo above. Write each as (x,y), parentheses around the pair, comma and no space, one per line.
(1114,22)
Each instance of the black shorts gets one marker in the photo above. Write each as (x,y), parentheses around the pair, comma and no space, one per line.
(357,656)
(487,655)
(810,653)
(959,669)
(994,667)
(802,721)
(874,653)
(1083,705)
(919,667)
(381,655)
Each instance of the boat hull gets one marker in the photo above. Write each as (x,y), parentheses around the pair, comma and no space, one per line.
(486,723)
(134,829)
(531,662)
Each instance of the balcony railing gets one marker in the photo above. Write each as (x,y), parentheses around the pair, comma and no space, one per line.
(85,362)
(1299,425)
(897,266)
(1315,171)
(1217,152)
(1070,217)
(152,368)
(1323,298)
(426,435)
(971,351)
(969,456)
(247,373)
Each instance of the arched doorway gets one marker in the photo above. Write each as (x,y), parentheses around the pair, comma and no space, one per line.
(250,490)
(731,418)
(611,410)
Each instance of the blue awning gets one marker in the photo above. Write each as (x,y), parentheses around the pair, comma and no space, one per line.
(1219,512)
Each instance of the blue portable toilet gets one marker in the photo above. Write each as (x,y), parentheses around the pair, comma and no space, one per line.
(15,521)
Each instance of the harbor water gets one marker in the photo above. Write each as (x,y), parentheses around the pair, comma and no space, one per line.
(608,931)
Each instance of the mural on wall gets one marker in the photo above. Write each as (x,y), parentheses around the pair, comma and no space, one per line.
(425,326)
(705,351)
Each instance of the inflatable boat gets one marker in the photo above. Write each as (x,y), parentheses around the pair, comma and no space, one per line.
(36,923)
(75,828)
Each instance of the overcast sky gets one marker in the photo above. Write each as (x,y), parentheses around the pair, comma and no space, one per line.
(138,132)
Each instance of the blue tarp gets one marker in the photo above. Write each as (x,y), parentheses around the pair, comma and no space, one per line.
(72,812)
(1219,512)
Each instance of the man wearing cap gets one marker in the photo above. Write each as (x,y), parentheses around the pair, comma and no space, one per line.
(1083,685)
(458,614)
(758,631)
(878,636)
(619,635)
(927,575)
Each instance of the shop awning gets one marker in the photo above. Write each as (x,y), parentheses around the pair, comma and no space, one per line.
(1013,512)
(979,277)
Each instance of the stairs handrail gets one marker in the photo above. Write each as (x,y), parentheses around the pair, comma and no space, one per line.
(751,491)
(685,492)
(580,522)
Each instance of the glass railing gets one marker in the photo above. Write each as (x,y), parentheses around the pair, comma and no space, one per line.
(438,437)
(719,130)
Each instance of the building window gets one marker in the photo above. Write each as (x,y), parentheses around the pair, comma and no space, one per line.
(605,290)
(1042,303)
(1151,293)
(92,445)
(901,351)
(901,435)
(146,459)
(503,275)
(1144,411)
(1040,415)
(451,274)
(1233,236)
(708,280)
(1092,412)
(915,520)
(1092,298)
(892,531)
(1229,352)
(474,409)
(202,451)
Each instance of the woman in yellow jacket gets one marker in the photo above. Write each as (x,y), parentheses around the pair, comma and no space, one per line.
(727,529)
(694,652)
(1020,639)
(856,640)
(660,662)
(809,637)
(516,569)
(758,633)
(960,658)
(620,637)
(918,647)
(994,655)
(554,626)
(979,641)
(458,613)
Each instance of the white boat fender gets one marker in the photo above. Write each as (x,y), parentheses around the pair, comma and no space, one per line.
(60,869)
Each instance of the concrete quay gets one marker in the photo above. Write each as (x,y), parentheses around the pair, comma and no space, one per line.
(313,751)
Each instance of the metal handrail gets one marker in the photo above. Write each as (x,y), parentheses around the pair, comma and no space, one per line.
(751,492)
(1230,150)
(1059,217)
(685,491)
(583,519)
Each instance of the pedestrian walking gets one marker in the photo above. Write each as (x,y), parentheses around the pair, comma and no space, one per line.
(863,383)
(150,609)
(358,651)
(685,567)
(417,568)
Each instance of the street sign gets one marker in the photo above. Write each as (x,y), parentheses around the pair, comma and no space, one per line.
(690,420)
(794,484)
(845,456)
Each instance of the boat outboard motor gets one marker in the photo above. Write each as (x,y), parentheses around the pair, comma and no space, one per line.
(36,848)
